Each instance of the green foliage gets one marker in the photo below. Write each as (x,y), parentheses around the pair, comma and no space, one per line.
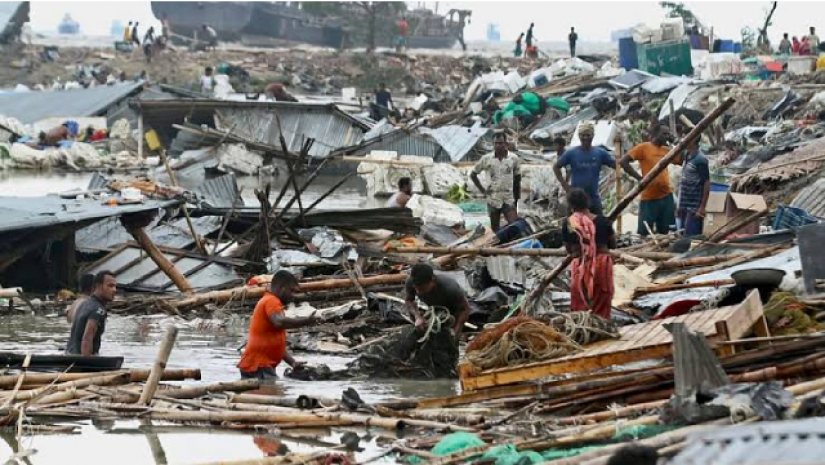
(679,10)
(458,194)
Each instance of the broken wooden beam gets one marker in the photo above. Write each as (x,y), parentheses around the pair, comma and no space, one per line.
(488,251)
(678,287)
(134,224)
(257,291)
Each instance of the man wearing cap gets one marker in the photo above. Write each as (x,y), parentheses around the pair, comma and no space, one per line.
(504,170)
(585,165)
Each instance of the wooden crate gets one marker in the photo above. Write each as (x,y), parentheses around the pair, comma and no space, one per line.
(638,342)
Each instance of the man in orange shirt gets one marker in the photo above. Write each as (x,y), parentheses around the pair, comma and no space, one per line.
(657,207)
(266,347)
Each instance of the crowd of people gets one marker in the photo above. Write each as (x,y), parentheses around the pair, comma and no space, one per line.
(808,45)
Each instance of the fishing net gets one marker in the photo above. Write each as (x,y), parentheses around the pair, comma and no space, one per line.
(411,353)
(524,339)
(517,341)
(787,315)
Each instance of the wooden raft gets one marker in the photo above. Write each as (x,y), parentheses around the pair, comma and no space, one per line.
(638,342)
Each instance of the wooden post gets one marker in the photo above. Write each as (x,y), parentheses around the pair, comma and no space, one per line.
(672,119)
(619,146)
(157,256)
(159,366)
(665,161)
(140,135)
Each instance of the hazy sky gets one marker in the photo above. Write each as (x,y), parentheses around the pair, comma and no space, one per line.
(593,20)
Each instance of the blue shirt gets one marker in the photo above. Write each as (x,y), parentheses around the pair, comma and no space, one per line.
(585,169)
(691,187)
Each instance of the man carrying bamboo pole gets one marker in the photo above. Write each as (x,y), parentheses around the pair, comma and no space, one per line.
(89,321)
(657,210)
(266,347)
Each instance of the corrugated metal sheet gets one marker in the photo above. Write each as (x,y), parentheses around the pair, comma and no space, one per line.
(505,270)
(220,192)
(786,442)
(457,140)
(31,107)
(403,142)
(812,199)
(17,213)
(549,128)
(330,127)
(135,270)
(109,234)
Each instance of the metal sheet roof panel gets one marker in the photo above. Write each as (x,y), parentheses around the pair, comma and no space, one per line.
(457,140)
(812,199)
(31,107)
(17,213)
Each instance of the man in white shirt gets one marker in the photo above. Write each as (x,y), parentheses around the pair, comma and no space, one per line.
(207,82)
(504,170)
(400,198)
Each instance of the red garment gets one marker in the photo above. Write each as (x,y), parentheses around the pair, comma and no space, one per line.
(266,347)
(795,47)
(591,284)
(804,46)
(402,27)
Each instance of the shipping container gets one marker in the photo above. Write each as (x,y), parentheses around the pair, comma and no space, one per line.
(665,58)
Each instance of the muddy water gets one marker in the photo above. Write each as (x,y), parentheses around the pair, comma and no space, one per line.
(210,345)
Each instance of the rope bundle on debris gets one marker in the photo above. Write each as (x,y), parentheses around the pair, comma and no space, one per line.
(516,341)
(581,327)
(786,315)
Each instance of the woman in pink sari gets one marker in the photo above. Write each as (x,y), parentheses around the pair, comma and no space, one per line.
(589,238)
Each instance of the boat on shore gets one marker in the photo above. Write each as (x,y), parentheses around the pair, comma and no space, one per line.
(60,362)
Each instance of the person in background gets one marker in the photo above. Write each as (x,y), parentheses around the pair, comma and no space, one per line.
(383,102)
(694,190)
(529,39)
(795,46)
(277,91)
(634,455)
(504,170)
(572,38)
(517,52)
(207,81)
(436,291)
(266,347)
(584,164)
(166,28)
(804,46)
(588,238)
(89,321)
(813,42)
(211,37)
(127,34)
(516,228)
(559,145)
(400,198)
(135,34)
(149,43)
(401,42)
(85,289)
(785,46)
(657,207)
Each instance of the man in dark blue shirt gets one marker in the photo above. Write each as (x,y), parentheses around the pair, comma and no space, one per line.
(89,320)
(694,190)
(516,227)
(585,166)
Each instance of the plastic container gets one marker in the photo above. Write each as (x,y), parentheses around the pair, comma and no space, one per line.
(152,140)
(628,57)
(792,218)
(718,187)
(737,47)
(726,46)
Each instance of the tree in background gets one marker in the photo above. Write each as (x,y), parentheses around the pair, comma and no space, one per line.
(762,42)
(679,10)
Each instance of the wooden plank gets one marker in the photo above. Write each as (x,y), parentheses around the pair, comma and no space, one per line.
(638,342)
(573,365)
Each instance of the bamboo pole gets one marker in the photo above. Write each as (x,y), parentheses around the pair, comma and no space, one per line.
(487,251)
(665,161)
(676,263)
(676,287)
(191,392)
(105,380)
(254,292)
(613,414)
(736,225)
(135,375)
(159,365)
(619,148)
(721,266)
(157,256)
